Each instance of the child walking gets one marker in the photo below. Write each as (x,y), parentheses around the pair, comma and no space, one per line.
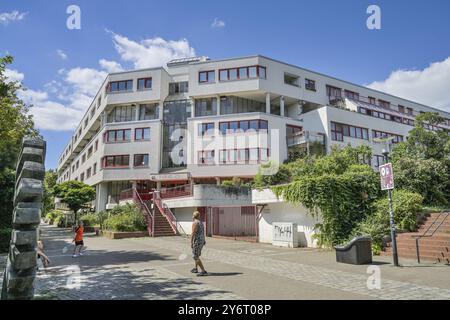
(78,239)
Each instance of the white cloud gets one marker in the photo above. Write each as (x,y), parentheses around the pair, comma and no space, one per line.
(429,86)
(218,23)
(13,75)
(110,66)
(154,52)
(61,54)
(6,18)
(85,81)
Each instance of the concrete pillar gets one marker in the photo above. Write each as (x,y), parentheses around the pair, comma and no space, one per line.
(136,112)
(218,181)
(282,106)
(161,110)
(193,108)
(268,103)
(218,105)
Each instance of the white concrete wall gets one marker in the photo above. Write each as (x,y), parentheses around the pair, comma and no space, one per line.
(184,219)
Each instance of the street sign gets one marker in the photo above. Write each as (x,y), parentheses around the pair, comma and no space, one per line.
(387,176)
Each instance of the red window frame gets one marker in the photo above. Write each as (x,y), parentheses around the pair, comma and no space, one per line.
(239,125)
(373,101)
(258,73)
(384,104)
(108,87)
(142,135)
(202,156)
(146,80)
(105,161)
(351,95)
(332,89)
(347,131)
(106,136)
(144,165)
(207,76)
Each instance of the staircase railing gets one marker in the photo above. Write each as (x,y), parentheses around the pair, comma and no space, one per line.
(165,211)
(176,192)
(424,235)
(147,212)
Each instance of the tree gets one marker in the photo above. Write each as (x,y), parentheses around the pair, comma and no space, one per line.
(49,183)
(422,162)
(15,123)
(75,194)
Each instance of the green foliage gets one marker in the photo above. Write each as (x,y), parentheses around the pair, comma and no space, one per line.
(407,208)
(54,215)
(90,219)
(268,175)
(75,194)
(49,183)
(338,188)
(125,218)
(5,237)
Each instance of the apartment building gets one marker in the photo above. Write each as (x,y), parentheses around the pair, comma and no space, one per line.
(184,128)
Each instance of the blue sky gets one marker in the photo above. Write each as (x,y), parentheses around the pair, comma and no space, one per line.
(62,68)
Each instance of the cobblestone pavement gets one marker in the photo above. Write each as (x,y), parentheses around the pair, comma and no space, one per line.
(158,268)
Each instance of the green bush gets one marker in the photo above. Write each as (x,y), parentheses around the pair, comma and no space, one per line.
(125,218)
(54,216)
(90,220)
(407,207)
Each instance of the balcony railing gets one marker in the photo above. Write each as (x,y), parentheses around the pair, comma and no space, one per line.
(176,192)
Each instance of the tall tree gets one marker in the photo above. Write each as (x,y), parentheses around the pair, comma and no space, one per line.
(75,194)
(49,183)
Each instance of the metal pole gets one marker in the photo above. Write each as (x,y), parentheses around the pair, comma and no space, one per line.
(391,217)
(417,250)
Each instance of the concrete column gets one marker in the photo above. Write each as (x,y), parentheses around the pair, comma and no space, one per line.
(218,105)
(268,103)
(161,110)
(193,108)
(218,181)
(282,106)
(136,112)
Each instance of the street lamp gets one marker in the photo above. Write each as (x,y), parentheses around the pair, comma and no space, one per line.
(386,153)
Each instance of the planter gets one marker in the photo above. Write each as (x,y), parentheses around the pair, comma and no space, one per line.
(124,235)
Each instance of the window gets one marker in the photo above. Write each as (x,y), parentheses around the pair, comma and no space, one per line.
(384,104)
(233,105)
(96,145)
(122,135)
(148,111)
(116,161)
(88,173)
(92,112)
(142,134)
(242,73)
(291,79)
(83,158)
(94,169)
(372,100)
(141,160)
(82,177)
(333,92)
(121,114)
(86,121)
(409,111)
(118,86)
(243,156)
(205,107)
(231,127)
(310,84)
(205,129)
(294,135)
(401,109)
(99,101)
(381,134)
(78,164)
(351,95)
(207,76)
(178,87)
(89,154)
(339,131)
(206,157)
(73,168)
(144,83)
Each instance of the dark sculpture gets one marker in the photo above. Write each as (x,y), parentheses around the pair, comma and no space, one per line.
(20,272)
(357,251)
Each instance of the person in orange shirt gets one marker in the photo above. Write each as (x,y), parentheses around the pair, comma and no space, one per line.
(78,240)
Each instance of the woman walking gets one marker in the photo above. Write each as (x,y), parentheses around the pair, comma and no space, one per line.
(197,243)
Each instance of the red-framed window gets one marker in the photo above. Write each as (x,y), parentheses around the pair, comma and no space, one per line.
(206,129)
(373,100)
(144,83)
(207,76)
(381,134)
(334,92)
(118,161)
(206,157)
(384,104)
(352,95)
(242,73)
(118,86)
(121,135)
(340,130)
(243,156)
(141,160)
(401,109)
(230,127)
(141,134)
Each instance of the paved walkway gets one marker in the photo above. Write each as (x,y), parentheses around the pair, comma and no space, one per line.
(158,268)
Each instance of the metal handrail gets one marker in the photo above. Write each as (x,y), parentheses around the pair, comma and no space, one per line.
(424,235)
(148,211)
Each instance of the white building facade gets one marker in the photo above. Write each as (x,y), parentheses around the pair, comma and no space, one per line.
(183,129)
